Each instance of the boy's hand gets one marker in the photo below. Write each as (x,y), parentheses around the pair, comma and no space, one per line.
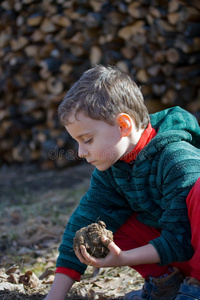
(113,259)
(116,258)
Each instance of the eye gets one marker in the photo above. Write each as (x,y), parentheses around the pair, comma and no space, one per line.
(88,141)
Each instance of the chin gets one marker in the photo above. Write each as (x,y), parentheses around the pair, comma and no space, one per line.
(103,168)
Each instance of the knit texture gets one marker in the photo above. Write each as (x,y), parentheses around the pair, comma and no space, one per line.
(158,183)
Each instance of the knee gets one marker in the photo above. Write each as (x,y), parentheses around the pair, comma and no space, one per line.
(194,193)
(196,187)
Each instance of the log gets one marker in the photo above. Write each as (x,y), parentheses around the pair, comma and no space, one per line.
(173,18)
(4,39)
(157,12)
(190,14)
(31,50)
(55,86)
(154,70)
(137,11)
(34,19)
(47,26)
(95,55)
(174,5)
(159,57)
(142,76)
(187,72)
(93,20)
(192,29)
(167,69)
(169,97)
(128,52)
(65,69)
(175,56)
(37,36)
(19,43)
(61,20)
(115,18)
(159,89)
(96,5)
(45,46)
(51,64)
(165,29)
(128,31)
(188,46)
(122,66)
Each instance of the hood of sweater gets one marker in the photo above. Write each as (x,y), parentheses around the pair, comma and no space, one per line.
(177,120)
(172,125)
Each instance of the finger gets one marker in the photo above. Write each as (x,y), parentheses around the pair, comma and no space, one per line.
(79,255)
(89,259)
(111,245)
(114,248)
(85,254)
(106,241)
(86,257)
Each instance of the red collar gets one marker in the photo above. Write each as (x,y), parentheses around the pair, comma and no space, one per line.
(147,135)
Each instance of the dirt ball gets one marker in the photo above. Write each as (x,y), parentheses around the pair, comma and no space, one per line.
(90,237)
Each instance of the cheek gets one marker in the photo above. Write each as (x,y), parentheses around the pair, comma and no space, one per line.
(108,148)
(101,151)
(110,152)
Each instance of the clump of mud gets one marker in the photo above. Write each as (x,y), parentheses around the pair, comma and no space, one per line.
(91,236)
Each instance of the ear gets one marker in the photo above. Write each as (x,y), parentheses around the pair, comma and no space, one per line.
(124,122)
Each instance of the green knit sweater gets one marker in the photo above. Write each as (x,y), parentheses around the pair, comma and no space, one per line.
(158,183)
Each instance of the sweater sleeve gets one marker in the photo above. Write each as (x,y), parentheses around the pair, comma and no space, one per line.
(178,170)
(101,202)
(69,272)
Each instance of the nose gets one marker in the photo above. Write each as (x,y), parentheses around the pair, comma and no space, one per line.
(82,152)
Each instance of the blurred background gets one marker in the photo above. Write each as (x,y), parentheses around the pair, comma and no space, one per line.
(46,45)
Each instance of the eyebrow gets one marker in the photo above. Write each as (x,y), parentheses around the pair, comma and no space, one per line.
(81,135)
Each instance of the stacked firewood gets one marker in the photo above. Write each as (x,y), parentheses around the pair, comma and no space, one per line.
(46,45)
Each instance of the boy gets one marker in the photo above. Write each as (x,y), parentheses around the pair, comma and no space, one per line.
(145,187)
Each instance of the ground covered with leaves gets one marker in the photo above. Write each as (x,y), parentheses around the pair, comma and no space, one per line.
(35,206)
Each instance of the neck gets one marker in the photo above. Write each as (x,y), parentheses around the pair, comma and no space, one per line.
(144,139)
(134,138)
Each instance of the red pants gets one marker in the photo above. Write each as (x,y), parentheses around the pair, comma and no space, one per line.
(133,234)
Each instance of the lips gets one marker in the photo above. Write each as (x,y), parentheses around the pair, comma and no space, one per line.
(91,162)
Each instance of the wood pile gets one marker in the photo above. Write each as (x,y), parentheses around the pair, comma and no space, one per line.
(46,45)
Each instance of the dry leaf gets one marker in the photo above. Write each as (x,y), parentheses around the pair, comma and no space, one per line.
(12,287)
(12,269)
(29,279)
(13,278)
(46,274)
(49,280)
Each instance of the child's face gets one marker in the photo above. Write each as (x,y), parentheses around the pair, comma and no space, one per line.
(100,143)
